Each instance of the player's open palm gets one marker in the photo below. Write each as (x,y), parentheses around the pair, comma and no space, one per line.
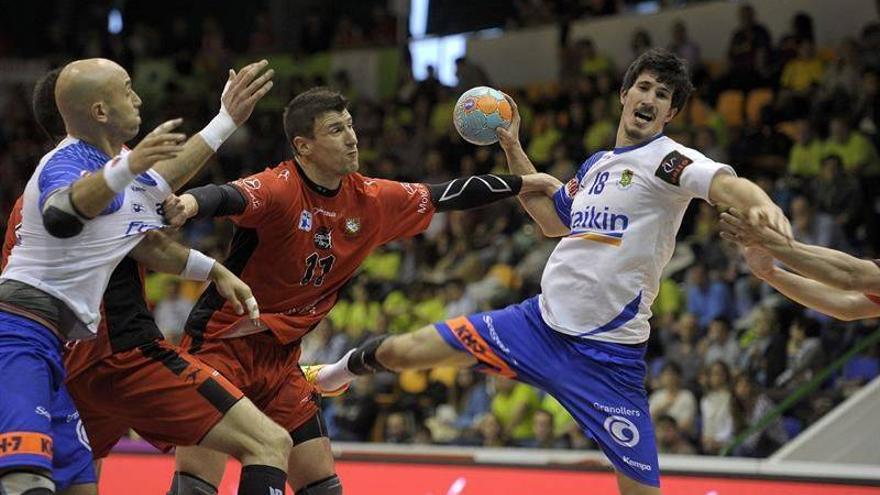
(234,290)
(510,136)
(244,89)
(161,144)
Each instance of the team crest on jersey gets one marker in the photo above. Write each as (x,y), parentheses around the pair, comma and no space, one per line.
(252,183)
(284,175)
(137,207)
(626,179)
(323,239)
(672,166)
(305,221)
(352,226)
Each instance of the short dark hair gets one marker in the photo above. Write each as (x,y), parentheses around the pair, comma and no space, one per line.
(45,109)
(668,68)
(304,108)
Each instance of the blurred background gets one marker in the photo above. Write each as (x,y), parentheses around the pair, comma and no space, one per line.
(787,93)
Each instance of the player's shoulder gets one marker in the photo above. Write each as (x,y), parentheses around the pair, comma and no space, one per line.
(73,152)
(667,148)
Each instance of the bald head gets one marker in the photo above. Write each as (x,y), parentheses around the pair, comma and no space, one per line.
(95,95)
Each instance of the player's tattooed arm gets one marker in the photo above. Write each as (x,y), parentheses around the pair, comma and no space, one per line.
(240,95)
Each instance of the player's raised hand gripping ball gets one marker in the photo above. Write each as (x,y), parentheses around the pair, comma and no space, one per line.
(478,112)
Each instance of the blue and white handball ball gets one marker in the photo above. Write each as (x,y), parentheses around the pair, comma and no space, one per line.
(478,112)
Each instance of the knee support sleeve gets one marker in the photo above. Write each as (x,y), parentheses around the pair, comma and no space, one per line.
(326,486)
(26,483)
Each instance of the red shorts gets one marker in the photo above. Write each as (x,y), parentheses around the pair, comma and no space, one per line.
(166,395)
(267,371)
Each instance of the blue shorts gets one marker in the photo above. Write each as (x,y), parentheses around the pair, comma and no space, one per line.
(601,384)
(39,425)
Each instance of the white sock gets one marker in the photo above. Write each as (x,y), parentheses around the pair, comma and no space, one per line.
(336,375)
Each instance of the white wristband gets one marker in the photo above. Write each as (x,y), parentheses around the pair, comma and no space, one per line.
(198,266)
(117,174)
(218,130)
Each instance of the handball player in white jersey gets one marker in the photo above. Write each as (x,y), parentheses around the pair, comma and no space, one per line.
(583,339)
(85,208)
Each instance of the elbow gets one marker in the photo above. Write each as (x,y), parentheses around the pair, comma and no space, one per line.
(554,231)
(61,224)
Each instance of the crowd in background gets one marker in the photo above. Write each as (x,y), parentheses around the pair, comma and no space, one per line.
(725,349)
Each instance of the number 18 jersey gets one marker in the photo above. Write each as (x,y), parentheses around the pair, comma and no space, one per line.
(624,208)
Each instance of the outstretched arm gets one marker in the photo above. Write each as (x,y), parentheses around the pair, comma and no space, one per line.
(538,204)
(828,266)
(728,191)
(840,304)
(241,94)
(159,252)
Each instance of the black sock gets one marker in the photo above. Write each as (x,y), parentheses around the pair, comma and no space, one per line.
(363,360)
(184,483)
(261,480)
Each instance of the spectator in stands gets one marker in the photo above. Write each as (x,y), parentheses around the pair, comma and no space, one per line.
(842,76)
(867,107)
(748,52)
(800,78)
(805,355)
(490,433)
(356,412)
(640,43)
(513,405)
(670,439)
(805,154)
(811,228)
(750,406)
(858,153)
(398,428)
(592,63)
(708,297)
(673,400)
(600,134)
(716,410)
(763,355)
(839,198)
(544,436)
(720,344)
(682,349)
(682,46)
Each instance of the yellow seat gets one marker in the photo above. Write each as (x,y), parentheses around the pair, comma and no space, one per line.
(731,105)
(755,102)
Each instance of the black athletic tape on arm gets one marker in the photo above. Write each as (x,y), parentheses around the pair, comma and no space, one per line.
(218,201)
(470,192)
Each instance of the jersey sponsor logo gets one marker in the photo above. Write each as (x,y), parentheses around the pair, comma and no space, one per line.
(40,410)
(321,211)
(626,179)
(622,430)
(137,188)
(352,226)
(672,166)
(138,227)
(25,442)
(323,239)
(598,225)
(622,410)
(137,207)
(284,175)
(305,221)
(410,188)
(275,491)
(471,339)
(636,464)
(493,334)
(252,183)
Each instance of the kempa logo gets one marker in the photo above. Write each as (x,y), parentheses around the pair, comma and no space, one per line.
(637,464)
(622,430)
(275,491)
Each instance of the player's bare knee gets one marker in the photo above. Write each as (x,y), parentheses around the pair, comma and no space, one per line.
(26,483)
(275,444)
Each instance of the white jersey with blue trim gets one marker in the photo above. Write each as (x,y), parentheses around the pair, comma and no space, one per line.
(77,270)
(624,208)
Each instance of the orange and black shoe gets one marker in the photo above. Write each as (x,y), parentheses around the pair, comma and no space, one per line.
(311,374)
